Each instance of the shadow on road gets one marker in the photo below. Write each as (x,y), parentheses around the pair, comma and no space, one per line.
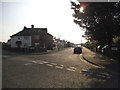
(102,78)
(114,66)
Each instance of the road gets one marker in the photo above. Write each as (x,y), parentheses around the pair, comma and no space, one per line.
(61,69)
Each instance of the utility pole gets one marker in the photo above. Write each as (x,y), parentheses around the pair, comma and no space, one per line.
(58,35)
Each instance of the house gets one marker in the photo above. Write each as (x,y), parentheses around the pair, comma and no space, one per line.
(49,41)
(59,43)
(31,38)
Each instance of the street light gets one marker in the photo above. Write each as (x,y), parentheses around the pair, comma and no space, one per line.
(83,5)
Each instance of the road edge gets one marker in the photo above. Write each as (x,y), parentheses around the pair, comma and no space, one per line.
(82,58)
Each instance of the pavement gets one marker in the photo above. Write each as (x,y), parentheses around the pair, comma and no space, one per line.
(100,61)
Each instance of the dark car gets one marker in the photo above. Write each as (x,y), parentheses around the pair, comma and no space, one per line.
(99,48)
(77,50)
(106,50)
(115,49)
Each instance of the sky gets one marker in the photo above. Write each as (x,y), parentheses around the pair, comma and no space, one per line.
(55,15)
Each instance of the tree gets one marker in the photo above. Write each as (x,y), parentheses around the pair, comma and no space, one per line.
(100,19)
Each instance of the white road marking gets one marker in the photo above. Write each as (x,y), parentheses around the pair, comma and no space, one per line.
(70,69)
(108,77)
(84,70)
(28,64)
(45,62)
(80,72)
(40,63)
(53,63)
(100,75)
(34,62)
(49,65)
(59,67)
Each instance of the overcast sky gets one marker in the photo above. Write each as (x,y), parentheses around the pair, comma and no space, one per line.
(55,15)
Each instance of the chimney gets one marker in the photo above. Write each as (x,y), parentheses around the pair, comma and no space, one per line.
(32,26)
(24,27)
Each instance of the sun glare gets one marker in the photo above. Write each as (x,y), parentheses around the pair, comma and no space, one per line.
(81,9)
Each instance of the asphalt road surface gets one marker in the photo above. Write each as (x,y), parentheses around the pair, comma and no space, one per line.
(61,69)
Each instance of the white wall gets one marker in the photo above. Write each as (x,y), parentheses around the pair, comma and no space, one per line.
(26,40)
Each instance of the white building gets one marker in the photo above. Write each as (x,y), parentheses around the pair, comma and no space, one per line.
(31,38)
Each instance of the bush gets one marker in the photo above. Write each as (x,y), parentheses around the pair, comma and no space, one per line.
(116,40)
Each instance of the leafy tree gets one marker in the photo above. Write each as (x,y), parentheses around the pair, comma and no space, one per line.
(100,19)
(116,40)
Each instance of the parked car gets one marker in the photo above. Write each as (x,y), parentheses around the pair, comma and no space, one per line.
(99,48)
(115,47)
(106,50)
(115,51)
(77,50)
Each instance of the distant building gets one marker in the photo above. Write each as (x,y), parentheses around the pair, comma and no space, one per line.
(59,43)
(31,38)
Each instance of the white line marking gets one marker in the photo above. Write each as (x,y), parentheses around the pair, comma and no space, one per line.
(70,69)
(80,72)
(45,62)
(84,70)
(28,64)
(49,65)
(53,63)
(40,63)
(59,67)
(108,77)
(34,62)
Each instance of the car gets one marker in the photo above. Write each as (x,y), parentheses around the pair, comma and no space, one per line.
(105,48)
(77,50)
(99,48)
(115,47)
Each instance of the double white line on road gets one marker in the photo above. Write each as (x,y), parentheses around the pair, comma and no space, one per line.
(52,65)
